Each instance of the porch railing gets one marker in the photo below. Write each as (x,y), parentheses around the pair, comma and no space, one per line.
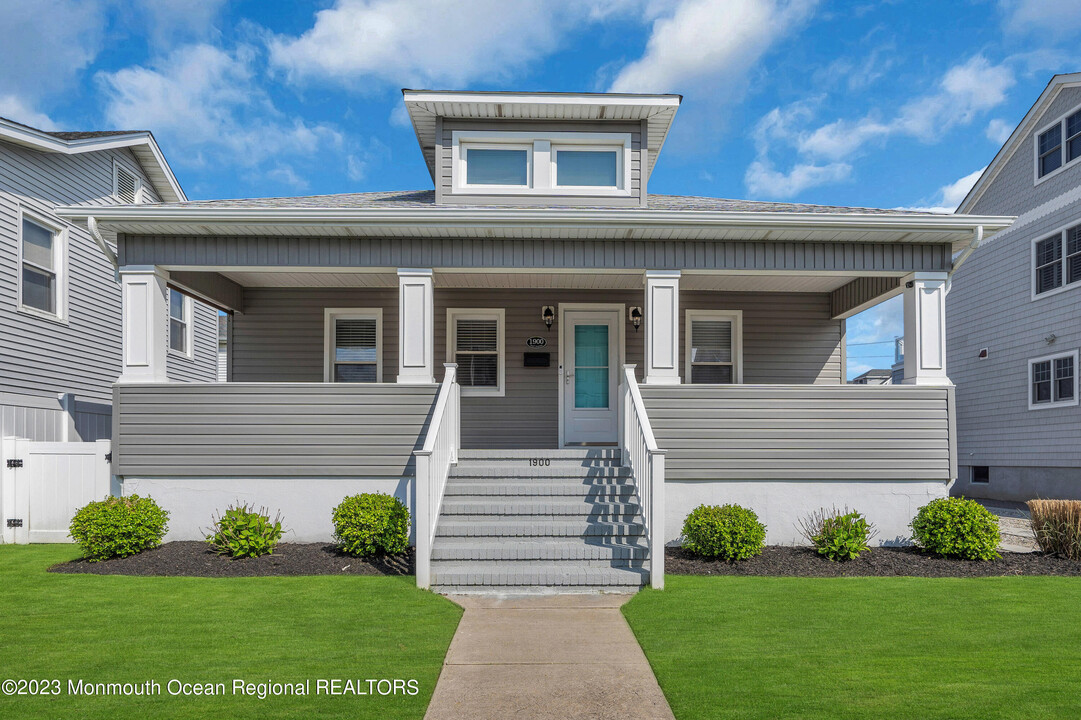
(433,463)
(640,452)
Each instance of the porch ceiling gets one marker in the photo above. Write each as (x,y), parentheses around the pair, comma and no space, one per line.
(791,282)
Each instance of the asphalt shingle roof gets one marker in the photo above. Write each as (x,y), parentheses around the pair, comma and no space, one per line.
(74,134)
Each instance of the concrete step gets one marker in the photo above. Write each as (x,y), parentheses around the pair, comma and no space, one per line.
(533,574)
(614,489)
(503,469)
(532,526)
(494,548)
(553,454)
(545,507)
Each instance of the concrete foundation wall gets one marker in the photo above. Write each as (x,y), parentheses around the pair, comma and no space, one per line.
(1021,484)
(889,504)
(305,503)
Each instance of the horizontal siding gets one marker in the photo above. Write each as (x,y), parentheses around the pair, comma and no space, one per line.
(801,433)
(269,430)
(990,306)
(328,252)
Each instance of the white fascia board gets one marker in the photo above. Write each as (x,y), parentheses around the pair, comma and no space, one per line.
(660,102)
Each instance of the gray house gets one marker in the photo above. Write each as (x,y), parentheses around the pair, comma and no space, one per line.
(59,294)
(1014,313)
(549,364)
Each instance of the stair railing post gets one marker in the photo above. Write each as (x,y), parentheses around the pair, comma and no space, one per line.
(656,520)
(423,521)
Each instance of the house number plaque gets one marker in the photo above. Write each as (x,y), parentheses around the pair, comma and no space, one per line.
(536,341)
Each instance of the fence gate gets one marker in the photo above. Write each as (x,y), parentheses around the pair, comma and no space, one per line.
(42,484)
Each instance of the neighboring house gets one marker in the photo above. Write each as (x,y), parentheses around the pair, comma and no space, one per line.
(1014,313)
(60,295)
(873,377)
(897,370)
(621,357)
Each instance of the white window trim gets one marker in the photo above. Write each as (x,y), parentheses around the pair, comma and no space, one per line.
(332,314)
(736,318)
(1061,121)
(497,314)
(1052,403)
(116,182)
(541,170)
(189,327)
(60,261)
(1061,232)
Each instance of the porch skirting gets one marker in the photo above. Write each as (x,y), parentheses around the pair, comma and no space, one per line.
(305,503)
(889,504)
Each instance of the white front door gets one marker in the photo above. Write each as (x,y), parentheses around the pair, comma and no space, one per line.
(590,376)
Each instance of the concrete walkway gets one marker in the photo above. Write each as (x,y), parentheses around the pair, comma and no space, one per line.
(554,656)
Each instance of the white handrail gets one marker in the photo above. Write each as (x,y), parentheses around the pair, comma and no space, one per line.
(433,462)
(641,453)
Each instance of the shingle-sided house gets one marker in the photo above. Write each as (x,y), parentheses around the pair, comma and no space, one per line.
(549,364)
(60,331)
(1014,313)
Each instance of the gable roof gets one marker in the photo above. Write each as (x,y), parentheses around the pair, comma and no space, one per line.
(1015,141)
(140,142)
(424,106)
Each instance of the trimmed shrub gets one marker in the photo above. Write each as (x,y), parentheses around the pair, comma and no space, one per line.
(118,527)
(838,535)
(1057,526)
(956,527)
(244,532)
(729,532)
(371,524)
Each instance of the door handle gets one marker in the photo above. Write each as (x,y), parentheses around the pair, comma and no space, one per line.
(569,376)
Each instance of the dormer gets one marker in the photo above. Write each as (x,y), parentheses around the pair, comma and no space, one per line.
(542,149)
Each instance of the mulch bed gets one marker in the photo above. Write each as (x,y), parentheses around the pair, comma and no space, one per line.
(195,559)
(879,562)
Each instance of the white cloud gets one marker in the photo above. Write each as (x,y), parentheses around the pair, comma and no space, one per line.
(1055,18)
(168,23)
(950,196)
(704,43)
(286,175)
(13,108)
(205,101)
(763,180)
(998,131)
(430,42)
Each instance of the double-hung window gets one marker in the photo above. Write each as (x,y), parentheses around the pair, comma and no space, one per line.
(353,340)
(475,343)
(180,323)
(714,347)
(1058,145)
(41,248)
(1056,261)
(1053,381)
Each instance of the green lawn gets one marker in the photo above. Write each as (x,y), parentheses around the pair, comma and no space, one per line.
(128,629)
(725,647)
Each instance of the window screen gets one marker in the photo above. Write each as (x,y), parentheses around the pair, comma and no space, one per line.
(356,350)
(476,350)
(711,352)
(178,322)
(39,267)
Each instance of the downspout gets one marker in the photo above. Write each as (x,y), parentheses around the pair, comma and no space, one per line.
(92,224)
(977,240)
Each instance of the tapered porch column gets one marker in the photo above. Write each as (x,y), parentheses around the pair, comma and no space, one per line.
(145,308)
(925,328)
(416,327)
(662,327)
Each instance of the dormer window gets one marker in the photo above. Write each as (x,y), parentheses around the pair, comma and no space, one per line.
(557,163)
(1058,145)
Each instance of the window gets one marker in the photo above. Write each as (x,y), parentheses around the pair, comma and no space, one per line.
(127,186)
(1058,145)
(353,345)
(41,248)
(554,163)
(475,342)
(1056,261)
(981,474)
(1053,381)
(180,325)
(714,347)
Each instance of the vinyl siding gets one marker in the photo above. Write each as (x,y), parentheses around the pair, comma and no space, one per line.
(81,354)
(990,305)
(787,338)
(444,156)
(844,432)
(269,430)
(1014,189)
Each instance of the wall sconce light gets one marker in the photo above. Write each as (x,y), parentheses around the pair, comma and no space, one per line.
(1051,338)
(548,315)
(635,316)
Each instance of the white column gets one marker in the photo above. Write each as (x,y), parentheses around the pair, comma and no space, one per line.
(925,328)
(145,303)
(662,327)
(416,327)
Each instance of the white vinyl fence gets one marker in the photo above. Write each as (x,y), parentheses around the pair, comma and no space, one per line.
(42,484)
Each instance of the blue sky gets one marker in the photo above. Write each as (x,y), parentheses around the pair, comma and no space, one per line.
(887,104)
